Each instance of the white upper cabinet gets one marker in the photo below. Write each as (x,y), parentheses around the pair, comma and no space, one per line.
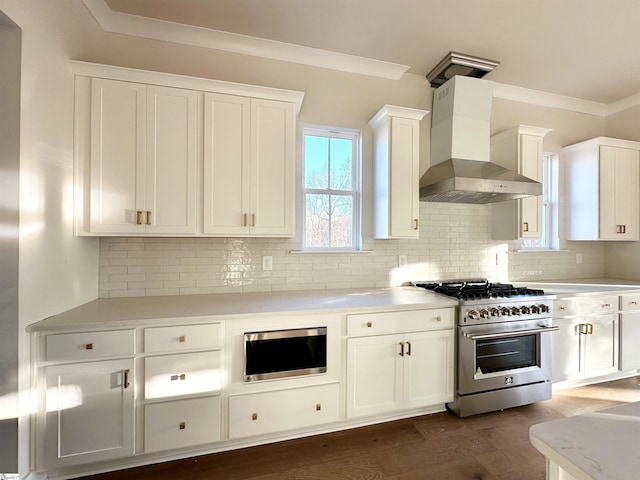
(144,144)
(603,183)
(520,149)
(140,140)
(249,169)
(396,132)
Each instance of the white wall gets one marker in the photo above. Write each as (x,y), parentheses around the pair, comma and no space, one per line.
(57,271)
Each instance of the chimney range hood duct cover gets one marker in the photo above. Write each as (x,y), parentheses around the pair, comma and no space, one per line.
(461,168)
(459,64)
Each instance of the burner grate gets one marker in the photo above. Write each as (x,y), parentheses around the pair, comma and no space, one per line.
(478,289)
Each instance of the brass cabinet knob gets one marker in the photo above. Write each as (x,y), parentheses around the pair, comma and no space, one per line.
(254,416)
(183,425)
(89,346)
(182,338)
(318,407)
(182,376)
(369,324)
(438,318)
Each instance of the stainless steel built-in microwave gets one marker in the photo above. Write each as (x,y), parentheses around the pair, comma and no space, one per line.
(284,353)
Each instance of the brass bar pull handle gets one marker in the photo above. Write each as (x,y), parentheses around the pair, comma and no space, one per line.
(253,219)
(417,224)
(88,346)
(125,381)
(183,425)
(138,217)
(606,305)
(621,229)
(402,349)
(409,348)
(633,302)
(318,407)
(244,220)
(182,338)
(584,330)
(525,227)
(254,416)
(148,217)
(590,328)
(182,376)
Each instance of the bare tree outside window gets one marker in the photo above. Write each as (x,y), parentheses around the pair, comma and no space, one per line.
(330,179)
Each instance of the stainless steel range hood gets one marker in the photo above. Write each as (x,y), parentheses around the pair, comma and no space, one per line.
(461,169)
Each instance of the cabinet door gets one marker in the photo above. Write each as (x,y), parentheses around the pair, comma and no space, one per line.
(374,374)
(272,167)
(227,137)
(89,412)
(618,193)
(566,361)
(171,161)
(404,178)
(630,341)
(601,345)
(118,149)
(531,166)
(428,368)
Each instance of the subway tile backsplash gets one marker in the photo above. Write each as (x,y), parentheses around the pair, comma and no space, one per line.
(455,242)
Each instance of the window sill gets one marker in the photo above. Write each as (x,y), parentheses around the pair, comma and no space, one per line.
(349,252)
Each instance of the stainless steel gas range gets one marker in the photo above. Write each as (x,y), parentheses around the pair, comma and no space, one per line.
(503,349)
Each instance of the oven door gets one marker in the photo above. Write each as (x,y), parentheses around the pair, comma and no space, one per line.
(503,355)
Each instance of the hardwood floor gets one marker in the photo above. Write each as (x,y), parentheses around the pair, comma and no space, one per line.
(493,446)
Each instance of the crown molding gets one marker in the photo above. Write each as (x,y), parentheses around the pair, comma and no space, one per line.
(544,99)
(127,24)
(620,105)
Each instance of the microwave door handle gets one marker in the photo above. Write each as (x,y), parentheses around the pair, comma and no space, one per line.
(515,333)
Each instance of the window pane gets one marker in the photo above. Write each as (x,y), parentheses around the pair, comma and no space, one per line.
(316,162)
(341,164)
(317,220)
(341,221)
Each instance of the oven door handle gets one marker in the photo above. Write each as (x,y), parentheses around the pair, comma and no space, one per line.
(515,333)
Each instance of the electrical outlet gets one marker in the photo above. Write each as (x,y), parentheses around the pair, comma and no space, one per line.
(402,260)
(267,263)
(578,258)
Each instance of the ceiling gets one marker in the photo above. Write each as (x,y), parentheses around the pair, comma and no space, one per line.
(586,49)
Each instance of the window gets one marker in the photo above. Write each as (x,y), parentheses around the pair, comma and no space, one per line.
(549,221)
(331,189)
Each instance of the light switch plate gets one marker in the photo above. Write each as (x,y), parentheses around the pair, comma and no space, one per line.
(402,260)
(267,263)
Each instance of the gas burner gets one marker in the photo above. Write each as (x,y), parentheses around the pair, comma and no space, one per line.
(478,289)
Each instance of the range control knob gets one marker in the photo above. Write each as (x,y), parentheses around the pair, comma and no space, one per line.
(544,308)
(484,313)
(535,309)
(494,312)
(525,310)
(515,311)
(473,315)
(505,312)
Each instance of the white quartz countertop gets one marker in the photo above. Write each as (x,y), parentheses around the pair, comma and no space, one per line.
(583,286)
(601,445)
(135,311)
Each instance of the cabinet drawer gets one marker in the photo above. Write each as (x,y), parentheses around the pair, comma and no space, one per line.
(268,412)
(597,305)
(184,374)
(630,301)
(88,345)
(181,423)
(363,324)
(564,307)
(186,337)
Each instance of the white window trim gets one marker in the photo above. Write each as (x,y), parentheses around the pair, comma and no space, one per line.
(356,136)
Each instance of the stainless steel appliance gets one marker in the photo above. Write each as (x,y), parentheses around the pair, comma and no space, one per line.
(503,349)
(284,353)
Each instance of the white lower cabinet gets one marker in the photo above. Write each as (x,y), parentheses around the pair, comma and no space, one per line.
(181,423)
(585,346)
(630,332)
(183,374)
(387,373)
(267,412)
(89,412)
